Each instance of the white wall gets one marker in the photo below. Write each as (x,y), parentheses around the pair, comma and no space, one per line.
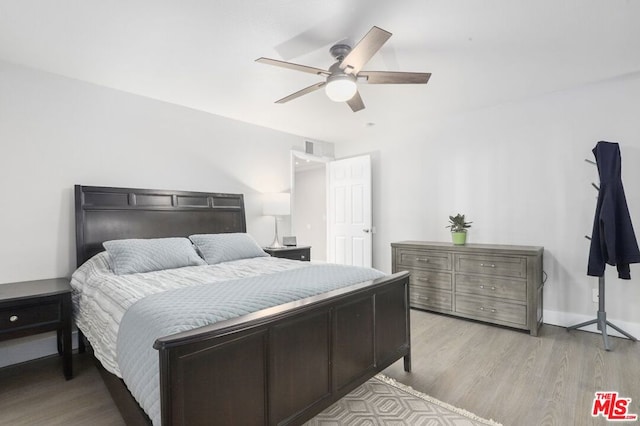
(518,172)
(56,132)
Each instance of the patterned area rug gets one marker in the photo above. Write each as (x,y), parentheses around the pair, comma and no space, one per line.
(383,401)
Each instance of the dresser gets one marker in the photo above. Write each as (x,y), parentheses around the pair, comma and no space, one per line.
(498,284)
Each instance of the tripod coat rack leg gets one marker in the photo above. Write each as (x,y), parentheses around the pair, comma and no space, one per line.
(601,319)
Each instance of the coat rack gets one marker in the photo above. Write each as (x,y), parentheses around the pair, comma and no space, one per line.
(601,319)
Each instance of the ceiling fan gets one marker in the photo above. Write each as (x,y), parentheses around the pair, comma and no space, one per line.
(342,76)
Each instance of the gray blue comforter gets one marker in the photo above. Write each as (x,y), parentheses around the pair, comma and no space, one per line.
(173,311)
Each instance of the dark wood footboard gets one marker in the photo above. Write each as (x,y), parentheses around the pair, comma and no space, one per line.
(283,365)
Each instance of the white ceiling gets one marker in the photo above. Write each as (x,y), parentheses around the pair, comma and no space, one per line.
(201,54)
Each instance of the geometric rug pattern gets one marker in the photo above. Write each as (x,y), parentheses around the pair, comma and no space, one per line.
(382,401)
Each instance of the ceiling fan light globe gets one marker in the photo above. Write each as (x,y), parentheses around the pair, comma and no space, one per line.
(341,89)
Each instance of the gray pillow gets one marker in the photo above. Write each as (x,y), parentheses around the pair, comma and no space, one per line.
(217,248)
(146,255)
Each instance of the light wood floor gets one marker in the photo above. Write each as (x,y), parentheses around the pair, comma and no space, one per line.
(493,372)
(517,379)
(36,393)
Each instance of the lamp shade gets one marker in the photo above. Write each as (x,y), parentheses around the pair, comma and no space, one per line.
(277,204)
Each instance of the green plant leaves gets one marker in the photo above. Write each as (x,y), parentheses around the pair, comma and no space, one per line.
(458,223)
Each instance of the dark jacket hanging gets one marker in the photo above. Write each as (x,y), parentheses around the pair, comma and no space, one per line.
(613,240)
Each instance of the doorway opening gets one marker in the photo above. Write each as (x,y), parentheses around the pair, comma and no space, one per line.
(309,202)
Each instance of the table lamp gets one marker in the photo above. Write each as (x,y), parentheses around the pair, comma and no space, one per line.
(276,205)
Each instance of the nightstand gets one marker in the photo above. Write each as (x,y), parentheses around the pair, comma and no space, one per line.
(33,307)
(294,252)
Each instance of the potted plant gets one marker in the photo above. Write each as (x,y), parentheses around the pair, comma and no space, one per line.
(458,229)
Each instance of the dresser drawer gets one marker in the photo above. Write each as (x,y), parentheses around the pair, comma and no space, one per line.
(430,279)
(30,315)
(492,265)
(504,288)
(424,259)
(425,298)
(485,308)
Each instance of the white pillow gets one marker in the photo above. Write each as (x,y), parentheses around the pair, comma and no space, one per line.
(145,255)
(217,248)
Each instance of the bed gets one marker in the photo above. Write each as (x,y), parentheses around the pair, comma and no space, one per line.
(278,365)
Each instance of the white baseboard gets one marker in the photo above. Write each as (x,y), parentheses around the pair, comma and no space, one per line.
(28,348)
(567,319)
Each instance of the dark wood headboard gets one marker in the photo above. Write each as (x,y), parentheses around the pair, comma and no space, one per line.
(105,213)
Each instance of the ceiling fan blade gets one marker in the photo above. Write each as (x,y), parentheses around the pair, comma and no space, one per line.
(299,93)
(356,103)
(292,66)
(394,77)
(364,50)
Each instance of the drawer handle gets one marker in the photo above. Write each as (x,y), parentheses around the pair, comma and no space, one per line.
(303,257)
(13,318)
(423,297)
(422,259)
(424,280)
(482,308)
(482,287)
(488,265)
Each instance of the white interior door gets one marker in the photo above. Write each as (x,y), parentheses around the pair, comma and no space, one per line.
(349,227)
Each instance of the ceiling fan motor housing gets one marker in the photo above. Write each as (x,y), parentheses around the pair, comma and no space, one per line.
(338,74)
(340,51)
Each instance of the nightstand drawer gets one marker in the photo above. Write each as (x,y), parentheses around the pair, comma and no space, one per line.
(30,315)
(298,254)
(302,253)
